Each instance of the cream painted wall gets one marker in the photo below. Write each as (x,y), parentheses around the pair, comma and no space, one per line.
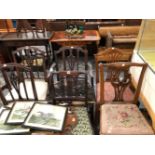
(148,87)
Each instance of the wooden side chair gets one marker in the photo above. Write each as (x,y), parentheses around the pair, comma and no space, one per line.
(38,60)
(109,55)
(121,116)
(71,86)
(20,85)
(73,59)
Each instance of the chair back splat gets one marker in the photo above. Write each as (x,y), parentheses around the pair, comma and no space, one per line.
(36,59)
(70,58)
(119,78)
(15,83)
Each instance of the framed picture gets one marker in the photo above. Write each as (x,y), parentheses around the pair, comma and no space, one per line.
(19,112)
(46,117)
(10,129)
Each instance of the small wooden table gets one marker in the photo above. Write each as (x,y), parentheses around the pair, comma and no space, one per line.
(88,36)
(70,123)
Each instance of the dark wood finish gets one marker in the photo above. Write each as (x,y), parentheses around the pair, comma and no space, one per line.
(73,58)
(110,55)
(118,74)
(13,75)
(71,86)
(87,37)
(23,25)
(10,41)
(38,60)
(68,58)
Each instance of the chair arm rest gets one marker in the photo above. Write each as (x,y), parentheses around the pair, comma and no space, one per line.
(52,67)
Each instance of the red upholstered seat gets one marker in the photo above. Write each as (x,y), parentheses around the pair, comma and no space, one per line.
(109,93)
(123,119)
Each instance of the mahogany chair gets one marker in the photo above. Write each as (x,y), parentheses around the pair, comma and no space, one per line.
(109,55)
(20,85)
(120,114)
(73,59)
(33,57)
(39,26)
(71,86)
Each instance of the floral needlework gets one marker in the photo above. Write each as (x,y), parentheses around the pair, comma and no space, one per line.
(123,119)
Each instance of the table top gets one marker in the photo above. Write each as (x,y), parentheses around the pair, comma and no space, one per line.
(88,35)
(14,36)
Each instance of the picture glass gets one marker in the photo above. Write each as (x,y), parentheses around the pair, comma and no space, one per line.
(19,112)
(46,116)
(10,129)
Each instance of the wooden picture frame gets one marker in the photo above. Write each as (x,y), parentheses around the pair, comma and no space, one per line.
(46,117)
(10,129)
(19,112)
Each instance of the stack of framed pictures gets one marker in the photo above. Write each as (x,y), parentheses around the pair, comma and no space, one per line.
(38,116)
(46,117)
(10,129)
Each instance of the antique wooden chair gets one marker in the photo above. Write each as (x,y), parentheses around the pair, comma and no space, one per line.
(108,56)
(33,57)
(39,26)
(72,58)
(121,115)
(71,86)
(19,85)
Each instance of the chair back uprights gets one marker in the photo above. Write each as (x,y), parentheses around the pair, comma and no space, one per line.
(34,58)
(15,87)
(109,55)
(71,58)
(118,77)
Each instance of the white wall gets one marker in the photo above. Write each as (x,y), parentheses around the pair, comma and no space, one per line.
(148,86)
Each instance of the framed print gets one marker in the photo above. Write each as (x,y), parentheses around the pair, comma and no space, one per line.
(10,129)
(46,117)
(19,112)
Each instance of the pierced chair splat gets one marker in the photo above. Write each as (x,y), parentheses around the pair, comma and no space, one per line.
(19,84)
(73,59)
(71,86)
(120,114)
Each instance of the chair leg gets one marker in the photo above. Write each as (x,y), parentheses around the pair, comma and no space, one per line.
(96,114)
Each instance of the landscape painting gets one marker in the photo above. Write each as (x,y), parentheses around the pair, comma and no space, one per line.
(10,129)
(45,116)
(19,112)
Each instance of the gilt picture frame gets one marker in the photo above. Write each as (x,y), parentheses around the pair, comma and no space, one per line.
(46,117)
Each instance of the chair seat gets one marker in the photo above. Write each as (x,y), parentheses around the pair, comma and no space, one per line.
(109,93)
(41,88)
(123,119)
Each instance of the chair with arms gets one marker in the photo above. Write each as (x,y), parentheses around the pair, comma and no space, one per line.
(121,115)
(71,86)
(19,85)
(73,59)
